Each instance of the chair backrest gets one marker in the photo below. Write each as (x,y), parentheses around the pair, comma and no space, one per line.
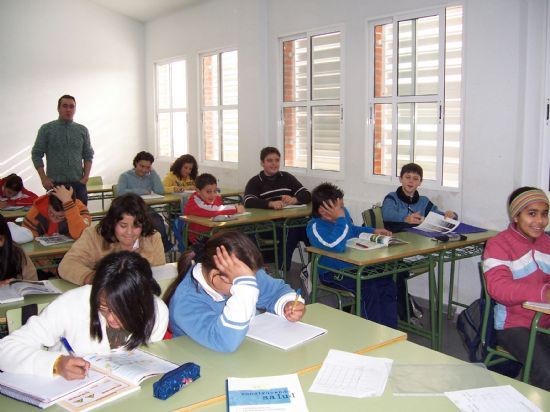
(14,316)
(95,181)
(373,217)
(487,307)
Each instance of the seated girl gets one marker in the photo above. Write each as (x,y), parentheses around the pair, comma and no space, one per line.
(120,309)
(182,175)
(127,226)
(14,263)
(213,300)
(516,264)
(12,192)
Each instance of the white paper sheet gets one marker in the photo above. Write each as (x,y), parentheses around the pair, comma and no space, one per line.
(349,374)
(497,398)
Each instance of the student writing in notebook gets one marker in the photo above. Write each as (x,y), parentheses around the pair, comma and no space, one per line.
(126,226)
(207,202)
(14,263)
(516,264)
(329,229)
(182,175)
(213,300)
(120,309)
(405,207)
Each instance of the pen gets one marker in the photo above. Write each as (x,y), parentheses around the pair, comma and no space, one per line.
(362,245)
(410,210)
(67,346)
(298,293)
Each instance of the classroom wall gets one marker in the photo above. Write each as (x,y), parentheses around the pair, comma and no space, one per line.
(55,47)
(503,78)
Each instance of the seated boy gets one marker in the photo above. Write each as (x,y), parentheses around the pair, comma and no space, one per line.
(405,207)
(12,192)
(207,202)
(273,189)
(58,212)
(143,180)
(330,227)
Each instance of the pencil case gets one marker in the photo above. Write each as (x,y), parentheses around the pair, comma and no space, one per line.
(171,382)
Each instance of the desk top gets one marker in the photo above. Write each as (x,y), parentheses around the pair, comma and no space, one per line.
(61,284)
(99,188)
(255,216)
(35,250)
(252,358)
(14,214)
(408,353)
(417,245)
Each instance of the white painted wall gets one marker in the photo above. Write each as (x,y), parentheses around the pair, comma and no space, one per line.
(503,70)
(55,47)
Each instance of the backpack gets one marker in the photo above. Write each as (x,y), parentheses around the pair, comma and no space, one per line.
(469,325)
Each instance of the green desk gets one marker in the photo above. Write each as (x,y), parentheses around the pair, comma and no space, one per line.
(61,284)
(408,352)
(388,261)
(345,332)
(100,192)
(37,252)
(15,214)
(258,221)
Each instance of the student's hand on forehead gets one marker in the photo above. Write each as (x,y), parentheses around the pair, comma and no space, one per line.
(331,210)
(230,265)
(62,193)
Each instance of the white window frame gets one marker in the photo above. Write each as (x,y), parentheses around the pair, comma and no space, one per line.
(394,99)
(308,171)
(171,110)
(219,108)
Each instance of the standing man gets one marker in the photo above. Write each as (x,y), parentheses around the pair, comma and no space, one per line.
(68,151)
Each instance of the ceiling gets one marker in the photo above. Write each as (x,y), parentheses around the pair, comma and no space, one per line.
(144,10)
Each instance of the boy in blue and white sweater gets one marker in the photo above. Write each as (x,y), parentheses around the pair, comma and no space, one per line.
(330,227)
(214,300)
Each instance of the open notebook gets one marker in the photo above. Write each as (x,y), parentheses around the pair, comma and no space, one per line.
(18,289)
(111,376)
(277,331)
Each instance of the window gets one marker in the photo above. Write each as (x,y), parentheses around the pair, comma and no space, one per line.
(171,108)
(415,95)
(219,106)
(311,111)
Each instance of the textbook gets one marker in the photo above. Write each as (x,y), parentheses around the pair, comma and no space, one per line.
(267,393)
(110,377)
(18,289)
(435,224)
(368,241)
(152,196)
(275,330)
(53,240)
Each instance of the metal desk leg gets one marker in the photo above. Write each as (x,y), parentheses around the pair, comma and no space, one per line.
(440,287)
(432,292)
(358,290)
(314,276)
(275,250)
(531,347)
(451,286)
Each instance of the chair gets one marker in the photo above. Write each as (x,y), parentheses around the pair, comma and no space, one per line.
(15,319)
(115,190)
(495,354)
(373,217)
(95,181)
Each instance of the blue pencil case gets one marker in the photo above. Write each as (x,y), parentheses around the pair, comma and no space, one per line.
(171,382)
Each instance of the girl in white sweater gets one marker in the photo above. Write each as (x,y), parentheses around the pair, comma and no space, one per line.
(120,309)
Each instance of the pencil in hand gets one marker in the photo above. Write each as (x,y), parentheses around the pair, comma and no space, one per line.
(298,294)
